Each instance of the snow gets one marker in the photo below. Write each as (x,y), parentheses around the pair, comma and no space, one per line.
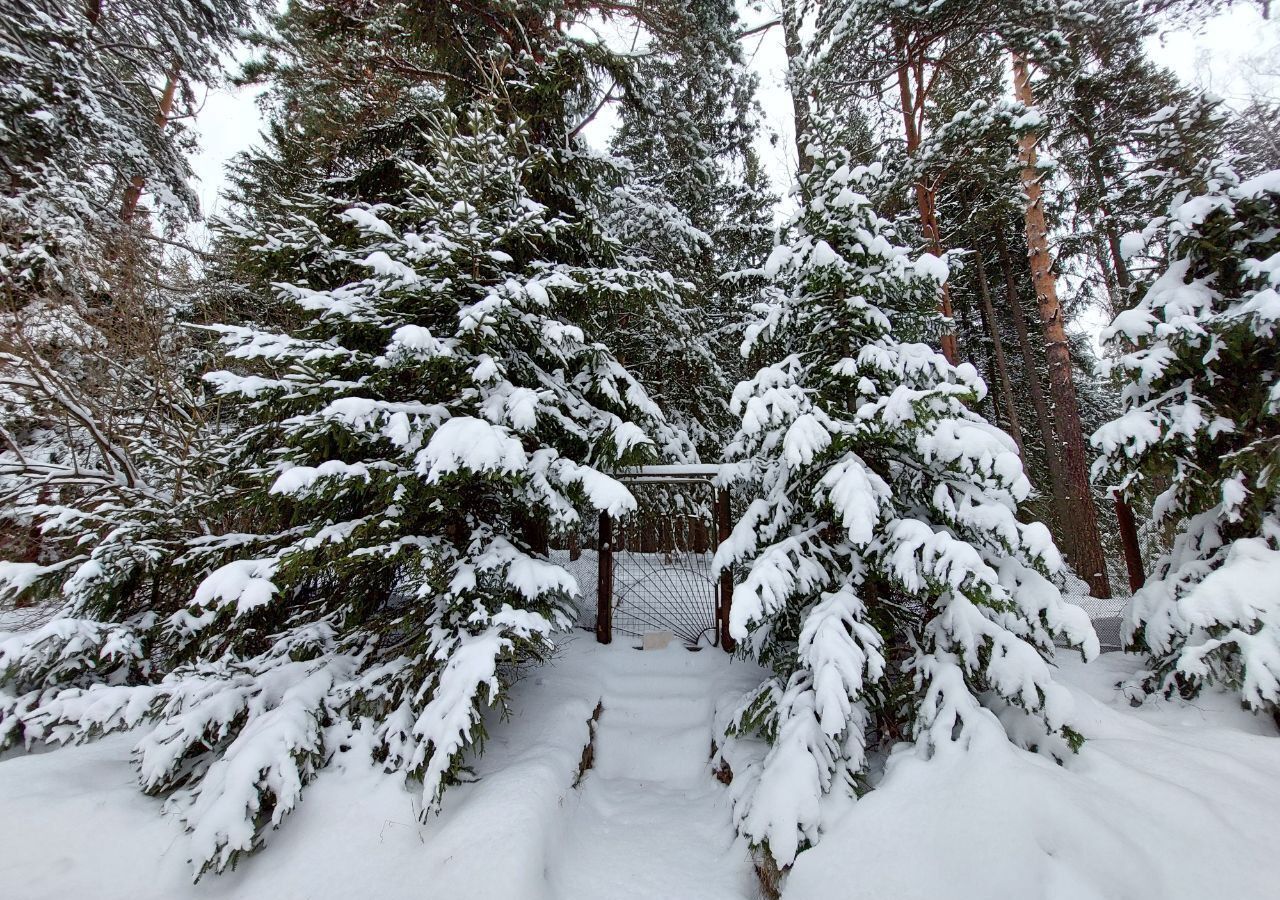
(674,471)
(246,582)
(1029,120)
(822,255)
(648,820)
(467,443)
(297,479)
(1173,800)
(1167,801)
(366,220)
(778,258)
(1266,183)
(930,266)
(1131,244)
(382,264)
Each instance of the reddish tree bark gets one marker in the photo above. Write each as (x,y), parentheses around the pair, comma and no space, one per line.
(1081,515)
(913,90)
(133,193)
(1039,401)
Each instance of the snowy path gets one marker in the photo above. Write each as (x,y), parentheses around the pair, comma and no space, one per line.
(1170,801)
(649,820)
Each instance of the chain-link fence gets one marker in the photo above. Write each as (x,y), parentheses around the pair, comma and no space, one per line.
(1107,617)
(662,576)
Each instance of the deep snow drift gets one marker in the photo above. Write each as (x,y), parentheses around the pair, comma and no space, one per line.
(1170,800)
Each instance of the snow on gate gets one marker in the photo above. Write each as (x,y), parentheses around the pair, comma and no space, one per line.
(651,569)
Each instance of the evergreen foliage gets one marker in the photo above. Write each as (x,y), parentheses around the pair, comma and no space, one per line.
(888,581)
(79,88)
(1199,428)
(441,322)
(417,400)
(698,206)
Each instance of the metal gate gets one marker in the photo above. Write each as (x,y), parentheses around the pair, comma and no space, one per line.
(655,563)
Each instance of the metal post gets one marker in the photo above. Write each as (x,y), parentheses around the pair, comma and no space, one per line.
(726,577)
(604,582)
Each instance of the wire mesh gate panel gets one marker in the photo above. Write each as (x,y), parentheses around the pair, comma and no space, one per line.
(654,564)
(651,570)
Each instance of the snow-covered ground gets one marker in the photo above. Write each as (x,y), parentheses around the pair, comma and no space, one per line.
(1167,801)
(646,818)
(650,821)
(1171,800)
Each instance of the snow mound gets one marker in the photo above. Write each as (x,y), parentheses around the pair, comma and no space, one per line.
(1166,802)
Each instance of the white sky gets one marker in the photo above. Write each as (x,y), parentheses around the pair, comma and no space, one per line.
(1238,51)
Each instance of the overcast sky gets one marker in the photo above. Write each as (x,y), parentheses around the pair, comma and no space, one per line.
(1231,56)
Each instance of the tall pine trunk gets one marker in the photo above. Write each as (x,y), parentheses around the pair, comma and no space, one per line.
(798,85)
(1039,401)
(1081,517)
(912,91)
(997,352)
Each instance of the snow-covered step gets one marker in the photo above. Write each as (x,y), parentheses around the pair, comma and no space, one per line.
(677,758)
(685,710)
(649,821)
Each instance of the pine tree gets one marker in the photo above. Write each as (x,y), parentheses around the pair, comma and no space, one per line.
(934,50)
(97,401)
(1254,134)
(1199,424)
(888,583)
(80,87)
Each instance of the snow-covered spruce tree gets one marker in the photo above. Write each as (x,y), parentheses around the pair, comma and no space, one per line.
(1200,423)
(886,579)
(423,401)
(666,340)
(697,205)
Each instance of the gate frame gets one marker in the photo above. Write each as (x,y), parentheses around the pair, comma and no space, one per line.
(689,474)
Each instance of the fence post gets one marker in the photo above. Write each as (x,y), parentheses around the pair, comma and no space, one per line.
(726,576)
(604,582)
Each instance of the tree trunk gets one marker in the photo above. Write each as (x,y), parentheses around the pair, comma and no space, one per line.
(1119,267)
(798,85)
(1120,270)
(133,193)
(1088,558)
(1031,366)
(1129,540)
(967,345)
(911,99)
(997,353)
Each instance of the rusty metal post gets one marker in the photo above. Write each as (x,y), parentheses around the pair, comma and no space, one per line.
(726,577)
(604,582)
(1129,540)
